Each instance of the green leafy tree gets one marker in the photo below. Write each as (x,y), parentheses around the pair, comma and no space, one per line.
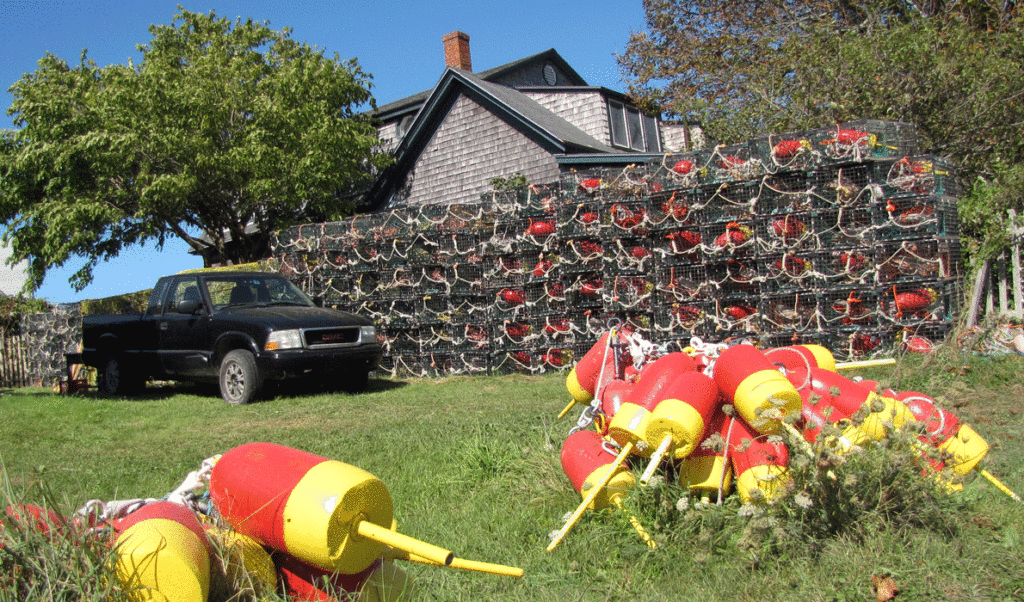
(223,132)
(955,69)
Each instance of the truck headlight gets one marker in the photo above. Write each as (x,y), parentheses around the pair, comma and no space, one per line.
(284,339)
(367,334)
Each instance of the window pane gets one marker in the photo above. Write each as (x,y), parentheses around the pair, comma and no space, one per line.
(651,134)
(636,133)
(618,124)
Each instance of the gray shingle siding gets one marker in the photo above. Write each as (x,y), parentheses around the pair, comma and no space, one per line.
(586,110)
(469,148)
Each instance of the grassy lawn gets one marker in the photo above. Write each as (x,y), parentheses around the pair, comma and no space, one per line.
(472,464)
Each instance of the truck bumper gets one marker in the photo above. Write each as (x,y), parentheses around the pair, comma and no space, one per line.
(277,365)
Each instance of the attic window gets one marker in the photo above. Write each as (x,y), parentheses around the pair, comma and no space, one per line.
(631,129)
(404,125)
(550,75)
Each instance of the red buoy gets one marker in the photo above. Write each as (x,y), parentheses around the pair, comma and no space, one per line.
(761,465)
(760,392)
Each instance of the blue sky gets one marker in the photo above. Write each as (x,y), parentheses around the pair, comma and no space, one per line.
(398,42)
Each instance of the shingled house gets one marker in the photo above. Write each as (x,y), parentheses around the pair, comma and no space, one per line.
(535,117)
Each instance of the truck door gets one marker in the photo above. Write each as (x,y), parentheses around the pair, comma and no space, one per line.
(185,345)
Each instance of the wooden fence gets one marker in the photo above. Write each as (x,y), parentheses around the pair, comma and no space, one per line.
(14,366)
(998,289)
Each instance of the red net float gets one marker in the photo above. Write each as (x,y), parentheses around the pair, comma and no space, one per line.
(762,465)
(706,472)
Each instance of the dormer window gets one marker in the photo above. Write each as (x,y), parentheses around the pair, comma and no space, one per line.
(631,129)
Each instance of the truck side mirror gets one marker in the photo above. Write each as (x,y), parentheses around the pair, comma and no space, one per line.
(188,307)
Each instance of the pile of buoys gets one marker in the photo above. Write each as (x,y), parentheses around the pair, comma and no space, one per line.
(281,519)
(734,398)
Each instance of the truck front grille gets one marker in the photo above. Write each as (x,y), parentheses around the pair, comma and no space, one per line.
(327,337)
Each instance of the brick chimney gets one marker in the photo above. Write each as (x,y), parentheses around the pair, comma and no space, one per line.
(456,51)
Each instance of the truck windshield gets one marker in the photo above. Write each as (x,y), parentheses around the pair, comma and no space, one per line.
(253,291)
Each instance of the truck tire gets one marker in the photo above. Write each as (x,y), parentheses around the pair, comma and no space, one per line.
(114,378)
(240,379)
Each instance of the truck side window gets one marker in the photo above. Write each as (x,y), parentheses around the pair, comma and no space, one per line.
(156,298)
(185,289)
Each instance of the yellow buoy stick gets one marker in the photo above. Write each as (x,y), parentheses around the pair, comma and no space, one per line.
(403,542)
(591,496)
(635,522)
(992,479)
(655,460)
(567,408)
(460,563)
(865,364)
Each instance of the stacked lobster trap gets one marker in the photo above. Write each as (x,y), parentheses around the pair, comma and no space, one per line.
(845,237)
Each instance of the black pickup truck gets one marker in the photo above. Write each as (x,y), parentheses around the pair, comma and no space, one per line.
(238,329)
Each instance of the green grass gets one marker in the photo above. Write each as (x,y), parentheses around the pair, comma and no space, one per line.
(472,464)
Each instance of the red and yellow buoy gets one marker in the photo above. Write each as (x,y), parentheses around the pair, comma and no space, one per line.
(323,512)
(762,395)
(762,465)
(599,475)
(680,418)
(162,553)
(706,472)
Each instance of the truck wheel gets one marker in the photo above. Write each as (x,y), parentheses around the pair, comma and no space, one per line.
(114,379)
(240,379)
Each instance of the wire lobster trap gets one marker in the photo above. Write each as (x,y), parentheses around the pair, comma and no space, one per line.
(470,363)
(546,296)
(734,163)
(845,227)
(682,283)
(458,247)
(433,308)
(726,239)
(795,312)
(580,218)
(683,170)
(582,255)
(866,139)
(916,216)
(919,259)
(843,267)
(628,292)
(733,201)
(787,152)
(514,333)
(838,186)
(625,218)
(784,193)
(553,329)
(515,361)
(912,303)
(785,232)
(628,255)
(672,209)
(735,316)
(690,318)
(470,308)
(466,278)
(731,277)
(683,245)
(845,307)
(506,270)
(858,344)
(787,272)
(924,174)
(584,289)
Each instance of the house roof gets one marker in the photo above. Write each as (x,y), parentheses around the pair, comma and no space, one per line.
(411,104)
(545,128)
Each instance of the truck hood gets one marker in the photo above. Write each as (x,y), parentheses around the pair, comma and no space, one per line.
(282,317)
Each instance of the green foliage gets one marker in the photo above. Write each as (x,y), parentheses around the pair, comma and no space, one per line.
(515,181)
(220,127)
(13,308)
(744,68)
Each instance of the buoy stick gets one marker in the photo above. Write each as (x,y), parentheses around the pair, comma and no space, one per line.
(644,535)
(461,563)
(591,495)
(865,364)
(992,479)
(567,408)
(655,460)
(403,542)
(795,434)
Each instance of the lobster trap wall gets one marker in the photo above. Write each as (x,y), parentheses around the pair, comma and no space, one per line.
(846,237)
